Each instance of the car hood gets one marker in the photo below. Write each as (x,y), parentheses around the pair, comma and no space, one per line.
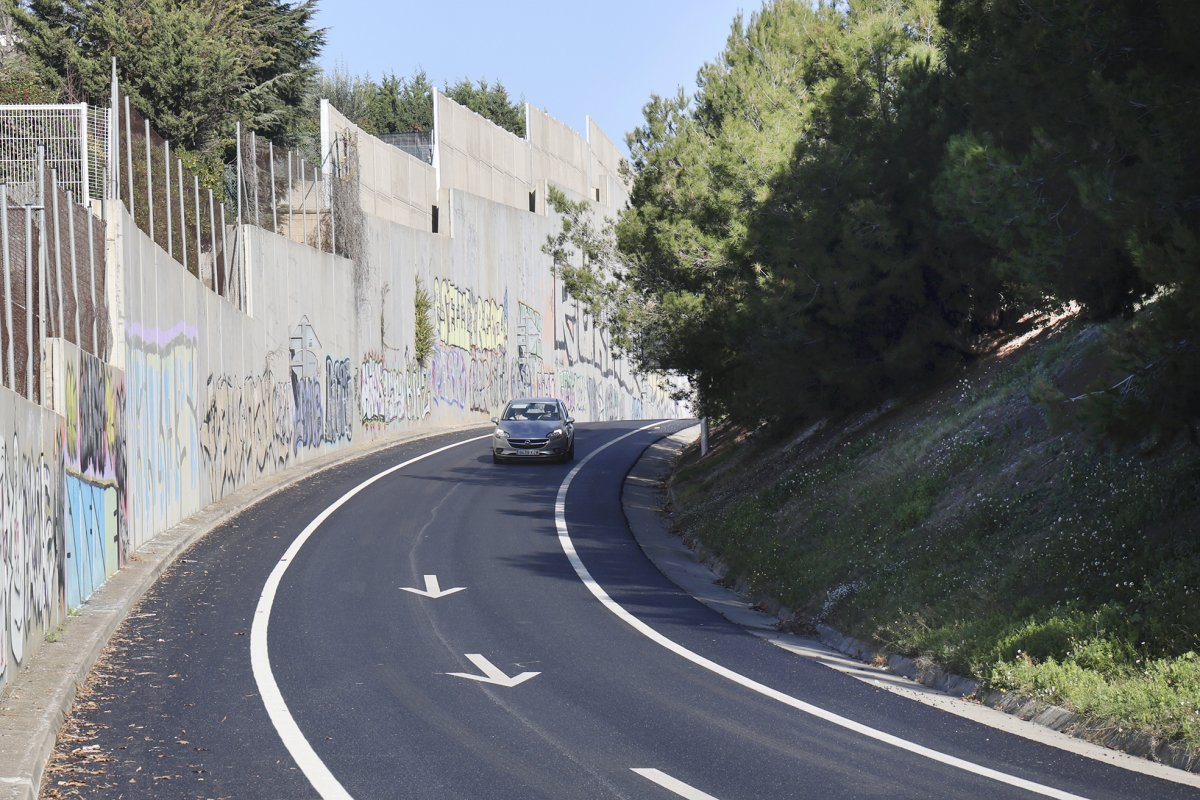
(529,428)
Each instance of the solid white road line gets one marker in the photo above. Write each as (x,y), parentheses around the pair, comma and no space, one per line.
(678,787)
(281,717)
(564,540)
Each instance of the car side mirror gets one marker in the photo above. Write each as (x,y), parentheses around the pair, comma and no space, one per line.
(495,421)
(570,420)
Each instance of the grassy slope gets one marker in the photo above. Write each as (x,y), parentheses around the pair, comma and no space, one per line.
(983,530)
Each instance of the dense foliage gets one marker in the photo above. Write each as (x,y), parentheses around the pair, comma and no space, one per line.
(194,69)
(857,192)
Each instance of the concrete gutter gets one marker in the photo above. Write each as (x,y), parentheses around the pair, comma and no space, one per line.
(38,699)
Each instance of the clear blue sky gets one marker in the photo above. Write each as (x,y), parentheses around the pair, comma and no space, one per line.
(571,59)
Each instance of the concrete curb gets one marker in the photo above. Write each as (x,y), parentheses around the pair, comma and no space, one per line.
(645,487)
(38,699)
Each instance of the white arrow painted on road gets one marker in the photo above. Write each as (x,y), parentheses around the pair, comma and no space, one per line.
(492,674)
(432,589)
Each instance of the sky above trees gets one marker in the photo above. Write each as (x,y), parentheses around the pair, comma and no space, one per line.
(568,59)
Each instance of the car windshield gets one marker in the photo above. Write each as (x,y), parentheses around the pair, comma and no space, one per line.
(531,411)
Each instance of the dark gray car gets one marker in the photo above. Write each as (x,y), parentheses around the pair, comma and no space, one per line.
(534,429)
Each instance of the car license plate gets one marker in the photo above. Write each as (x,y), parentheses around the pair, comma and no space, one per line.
(527,452)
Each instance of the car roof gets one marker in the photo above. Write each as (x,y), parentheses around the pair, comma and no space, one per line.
(534,400)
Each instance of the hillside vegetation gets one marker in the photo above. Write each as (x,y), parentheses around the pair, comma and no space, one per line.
(983,528)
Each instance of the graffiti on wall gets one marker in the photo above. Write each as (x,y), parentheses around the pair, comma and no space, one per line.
(96,534)
(246,430)
(390,394)
(467,321)
(322,415)
(32,561)
(162,420)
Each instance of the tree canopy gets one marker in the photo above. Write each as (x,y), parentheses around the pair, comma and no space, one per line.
(856,193)
(192,68)
(399,104)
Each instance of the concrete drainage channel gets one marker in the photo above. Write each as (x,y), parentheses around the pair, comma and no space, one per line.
(703,576)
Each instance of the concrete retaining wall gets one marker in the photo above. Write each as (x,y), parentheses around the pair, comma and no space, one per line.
(199,398)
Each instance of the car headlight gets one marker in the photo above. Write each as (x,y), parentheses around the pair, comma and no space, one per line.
(554,434)
(503,434)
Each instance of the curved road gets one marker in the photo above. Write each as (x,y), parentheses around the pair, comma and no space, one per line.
(604,680)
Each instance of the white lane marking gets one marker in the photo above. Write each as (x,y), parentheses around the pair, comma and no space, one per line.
(432,588)
(667,782)
(492,673)
(281,717)
(568,546)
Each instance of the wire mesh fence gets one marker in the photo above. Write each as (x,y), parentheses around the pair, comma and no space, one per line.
(73,138)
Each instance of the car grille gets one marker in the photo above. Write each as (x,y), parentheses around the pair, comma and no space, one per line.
(528,444)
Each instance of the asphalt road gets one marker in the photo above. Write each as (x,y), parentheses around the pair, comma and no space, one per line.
(375,679)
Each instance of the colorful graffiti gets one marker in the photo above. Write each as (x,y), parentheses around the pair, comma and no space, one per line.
(96,536)
(389,394)
(163,426)
(247,430)
(466,321)
(32,561)
(339,397)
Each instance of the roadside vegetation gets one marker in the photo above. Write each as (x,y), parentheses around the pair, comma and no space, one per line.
(981,527)
(832,237)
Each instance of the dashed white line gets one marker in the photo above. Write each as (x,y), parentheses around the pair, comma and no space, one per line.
(677,786)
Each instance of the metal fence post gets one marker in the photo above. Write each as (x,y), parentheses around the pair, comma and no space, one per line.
(225,251)
(92,263)
(62,320)
(8,318)
(238,129)
(74,267)
(43,268)
(183,237)
(291,202)
(274,208)
(29,303)
(303,203)
(254,156)
(129,154)
(212,231)
(167,170)
(85,189)
(149,185)
(332,177)
(199,217)
(317,201)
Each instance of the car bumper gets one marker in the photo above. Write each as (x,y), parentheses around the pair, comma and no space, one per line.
(550,451)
